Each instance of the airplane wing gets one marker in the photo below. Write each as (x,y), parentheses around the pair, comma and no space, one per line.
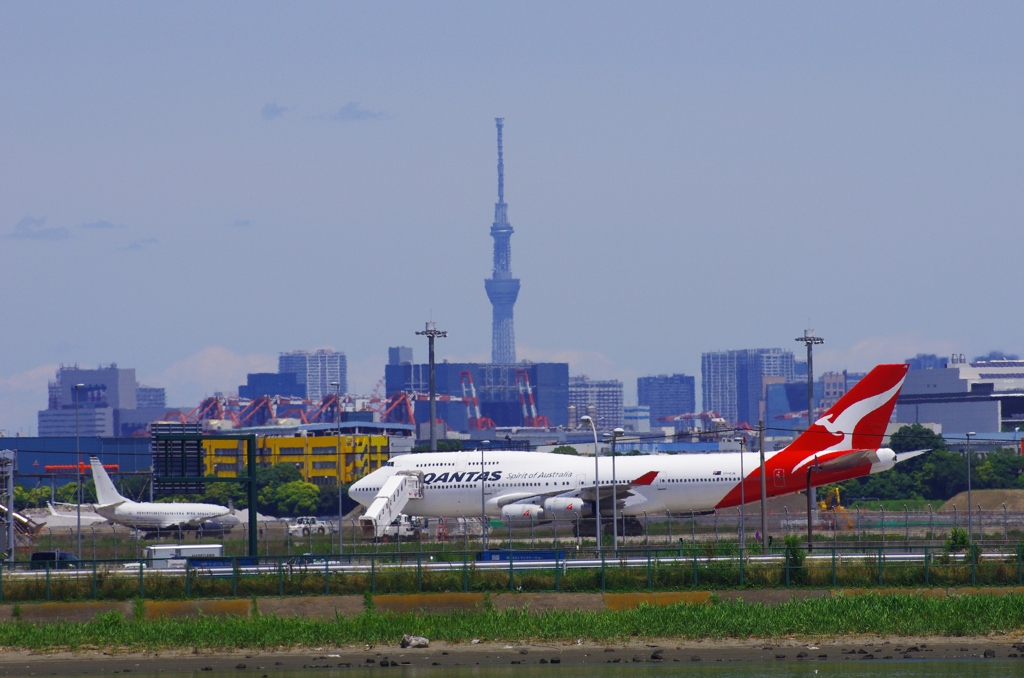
(622,491)
(196,522)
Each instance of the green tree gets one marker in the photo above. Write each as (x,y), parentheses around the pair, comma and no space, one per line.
(936,475)
(297,498)
(915,437)
(30,497)
(565,449)
(1000,469)
(328,504)
(227,494)
(278,474)
(69,493)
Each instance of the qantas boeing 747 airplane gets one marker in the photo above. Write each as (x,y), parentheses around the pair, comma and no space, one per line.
(532,487)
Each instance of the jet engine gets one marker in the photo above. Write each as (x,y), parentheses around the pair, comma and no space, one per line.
(566,508)
(523,515)
(214,527)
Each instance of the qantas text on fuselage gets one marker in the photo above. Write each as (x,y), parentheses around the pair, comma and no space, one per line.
(844,443)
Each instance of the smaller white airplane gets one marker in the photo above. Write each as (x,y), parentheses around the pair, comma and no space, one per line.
(150,515)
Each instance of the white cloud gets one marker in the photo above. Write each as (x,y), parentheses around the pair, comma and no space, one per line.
(21,396)
(211,369)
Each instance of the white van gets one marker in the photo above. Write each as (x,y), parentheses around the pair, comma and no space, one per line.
(174,555)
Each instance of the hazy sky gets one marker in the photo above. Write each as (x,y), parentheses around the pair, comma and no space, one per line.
(190,188)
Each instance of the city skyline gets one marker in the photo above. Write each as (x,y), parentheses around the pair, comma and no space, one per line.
(190,194)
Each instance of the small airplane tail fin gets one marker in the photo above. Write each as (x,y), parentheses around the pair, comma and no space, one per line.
(645,479)
(106,493)
(859,419)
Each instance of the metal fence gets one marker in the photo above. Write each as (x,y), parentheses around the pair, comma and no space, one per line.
(866,528)
(692,566)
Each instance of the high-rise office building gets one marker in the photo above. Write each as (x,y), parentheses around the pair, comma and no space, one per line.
(605,396)
(399,355)
(150,396)
(637,418)
(667,395)
(315,370)
(107,401)
(833,388)
(733,381)
(272,384)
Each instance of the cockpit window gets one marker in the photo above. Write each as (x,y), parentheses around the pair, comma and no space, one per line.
(390,463)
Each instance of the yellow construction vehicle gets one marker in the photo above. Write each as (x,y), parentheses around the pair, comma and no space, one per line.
(831,503)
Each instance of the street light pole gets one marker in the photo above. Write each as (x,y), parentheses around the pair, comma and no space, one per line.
(810,340)
(484,523)
(743,497)
(970,511)
(764,489)
(341,468)
(78,452)
(587,419)
(431,332)
(615,499)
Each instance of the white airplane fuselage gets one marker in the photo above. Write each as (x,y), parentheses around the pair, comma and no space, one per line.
(843,443)
(684,482)
(154,515)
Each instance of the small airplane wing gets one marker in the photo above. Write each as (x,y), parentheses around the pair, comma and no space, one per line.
(837,461)
(904,456)
(196,522)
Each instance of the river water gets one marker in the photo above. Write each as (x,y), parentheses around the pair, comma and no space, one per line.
(952,668)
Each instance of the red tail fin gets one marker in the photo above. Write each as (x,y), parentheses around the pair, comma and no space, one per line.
(859,419)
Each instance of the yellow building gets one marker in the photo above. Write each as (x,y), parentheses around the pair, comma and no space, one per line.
(316,457)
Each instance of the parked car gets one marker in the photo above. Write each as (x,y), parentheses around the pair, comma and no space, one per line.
(307,525)
(58,560)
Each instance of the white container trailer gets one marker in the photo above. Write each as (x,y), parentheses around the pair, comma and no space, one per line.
(174,555)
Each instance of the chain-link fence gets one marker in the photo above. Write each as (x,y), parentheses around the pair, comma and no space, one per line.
(104,541)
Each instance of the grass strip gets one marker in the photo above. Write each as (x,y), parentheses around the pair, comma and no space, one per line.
(889,615)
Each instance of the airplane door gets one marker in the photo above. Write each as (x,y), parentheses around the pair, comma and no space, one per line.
(489,487)
(581,481)
(461,462)
(779,476)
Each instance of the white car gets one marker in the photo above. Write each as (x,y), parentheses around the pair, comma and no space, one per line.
(307,525)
